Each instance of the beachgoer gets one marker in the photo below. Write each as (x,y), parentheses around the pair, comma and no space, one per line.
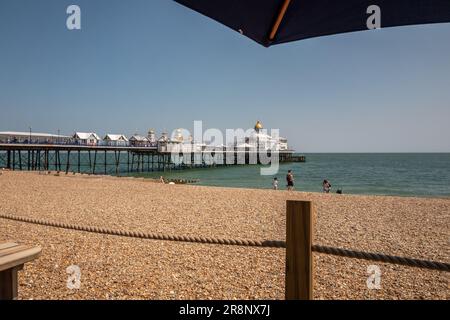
(290,180)
(326,185)
(275,183)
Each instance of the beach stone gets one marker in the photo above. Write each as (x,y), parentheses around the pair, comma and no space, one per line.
(116,267)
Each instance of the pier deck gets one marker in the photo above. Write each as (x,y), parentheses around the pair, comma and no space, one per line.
(120,159)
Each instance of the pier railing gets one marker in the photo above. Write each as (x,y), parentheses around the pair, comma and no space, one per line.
(81,144)
(299,281)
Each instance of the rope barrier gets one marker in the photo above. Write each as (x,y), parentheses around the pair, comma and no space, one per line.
(426,264)
(150,236)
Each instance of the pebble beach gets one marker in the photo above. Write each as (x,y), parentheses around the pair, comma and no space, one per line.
(114,267)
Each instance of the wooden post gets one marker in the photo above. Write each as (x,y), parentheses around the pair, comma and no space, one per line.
(299,260)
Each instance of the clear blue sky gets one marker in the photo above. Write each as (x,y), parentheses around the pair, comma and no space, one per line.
(143,64)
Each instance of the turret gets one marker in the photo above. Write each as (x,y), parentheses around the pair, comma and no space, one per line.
(151,136)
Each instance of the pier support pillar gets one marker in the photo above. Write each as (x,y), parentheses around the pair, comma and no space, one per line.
(39,159)
(46,160)
(68,162)
(20,159)
(95,161)
(90,162)
(8,159)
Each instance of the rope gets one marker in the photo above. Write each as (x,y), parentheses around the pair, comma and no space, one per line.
(151,236)
(426,264)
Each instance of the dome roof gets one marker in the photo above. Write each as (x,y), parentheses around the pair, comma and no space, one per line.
(258,125)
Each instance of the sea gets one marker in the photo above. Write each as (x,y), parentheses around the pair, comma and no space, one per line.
(401,174)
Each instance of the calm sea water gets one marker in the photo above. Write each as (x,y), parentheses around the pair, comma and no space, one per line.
(383,174)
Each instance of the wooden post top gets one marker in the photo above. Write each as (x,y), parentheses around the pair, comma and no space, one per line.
(13,254)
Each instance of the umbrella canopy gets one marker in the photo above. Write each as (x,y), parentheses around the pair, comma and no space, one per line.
(270,22)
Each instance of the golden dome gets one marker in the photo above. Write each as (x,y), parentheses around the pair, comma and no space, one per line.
(258,125)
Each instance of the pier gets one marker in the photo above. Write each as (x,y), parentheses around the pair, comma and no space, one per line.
(116,160)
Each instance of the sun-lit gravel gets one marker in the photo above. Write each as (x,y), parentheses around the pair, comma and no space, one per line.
(114,267)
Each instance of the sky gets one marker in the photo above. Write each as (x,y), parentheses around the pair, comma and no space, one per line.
(142,64)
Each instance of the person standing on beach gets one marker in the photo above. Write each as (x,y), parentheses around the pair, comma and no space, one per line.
(290,180)
(275,183)
(326,185)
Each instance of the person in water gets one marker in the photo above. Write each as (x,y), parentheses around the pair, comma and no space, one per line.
(326,185)
(275,183)
(290,180)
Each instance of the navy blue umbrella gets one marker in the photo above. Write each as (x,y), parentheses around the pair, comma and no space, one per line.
(270,22)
